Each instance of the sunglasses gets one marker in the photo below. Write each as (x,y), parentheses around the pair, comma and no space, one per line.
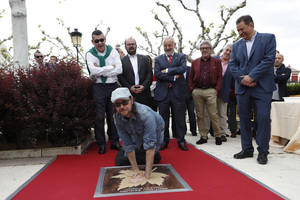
(124,103)
(39,56)
(100,40)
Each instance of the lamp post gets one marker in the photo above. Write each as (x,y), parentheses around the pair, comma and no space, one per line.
(76,40)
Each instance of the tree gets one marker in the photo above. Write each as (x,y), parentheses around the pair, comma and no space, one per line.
(216,38)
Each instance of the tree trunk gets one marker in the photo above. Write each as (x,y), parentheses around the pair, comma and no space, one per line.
(19,29)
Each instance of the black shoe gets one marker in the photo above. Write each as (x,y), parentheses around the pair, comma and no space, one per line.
(238,132)
(194,133)
(219,140)
(201,141)
(102,150)
(262,158)
(183,146)
(115,147)
(242,155)
(163,146)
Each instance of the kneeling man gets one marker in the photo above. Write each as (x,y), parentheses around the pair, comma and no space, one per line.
(139,128)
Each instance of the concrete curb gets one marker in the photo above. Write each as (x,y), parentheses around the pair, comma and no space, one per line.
(45,152)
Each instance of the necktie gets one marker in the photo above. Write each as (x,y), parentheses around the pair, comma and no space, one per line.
(170,58)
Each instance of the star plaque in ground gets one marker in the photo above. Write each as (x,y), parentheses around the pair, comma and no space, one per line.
(113,181)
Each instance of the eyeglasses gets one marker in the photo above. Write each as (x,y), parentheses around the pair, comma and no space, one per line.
(100,40)
(39,56)
(130,44)
(124,103)
(204,48)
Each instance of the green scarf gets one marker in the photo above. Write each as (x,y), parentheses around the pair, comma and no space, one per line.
(101,59)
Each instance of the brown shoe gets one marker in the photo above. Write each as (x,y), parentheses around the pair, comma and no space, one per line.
(163,146)
(233,135)
(223,138)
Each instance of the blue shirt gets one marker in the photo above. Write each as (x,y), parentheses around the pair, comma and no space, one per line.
(146,128)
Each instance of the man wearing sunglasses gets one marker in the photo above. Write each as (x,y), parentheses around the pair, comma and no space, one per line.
(140,130)
(39,59)
(104,65)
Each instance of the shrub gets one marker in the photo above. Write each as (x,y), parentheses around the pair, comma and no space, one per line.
(294,88)
(54,104)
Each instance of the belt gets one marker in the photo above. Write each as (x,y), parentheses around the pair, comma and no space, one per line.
(110,83)
(205,87)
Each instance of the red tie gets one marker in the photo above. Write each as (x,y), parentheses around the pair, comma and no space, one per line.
(170,58)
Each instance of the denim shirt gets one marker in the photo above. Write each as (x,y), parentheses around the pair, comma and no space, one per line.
(146,128)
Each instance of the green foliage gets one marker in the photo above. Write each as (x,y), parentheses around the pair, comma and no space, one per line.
(294,88)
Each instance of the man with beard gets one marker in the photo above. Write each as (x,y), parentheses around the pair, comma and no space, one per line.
(171,91)
(137,74)
(104,64)
(141,131)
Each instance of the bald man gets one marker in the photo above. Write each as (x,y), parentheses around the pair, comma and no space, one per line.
(282,75)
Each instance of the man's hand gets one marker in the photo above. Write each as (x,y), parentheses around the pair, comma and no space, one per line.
(138,179)
(137,89)
(248,81)
(164,71)
(95,65)
(178,76)
(135,173)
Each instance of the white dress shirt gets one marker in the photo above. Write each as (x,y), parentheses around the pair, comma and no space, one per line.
(108,70)
(134,63)
(249,44)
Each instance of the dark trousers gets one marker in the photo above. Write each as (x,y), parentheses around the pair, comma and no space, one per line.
(178,110)
(191,113)
(102,95)
(262,103)
(231,110)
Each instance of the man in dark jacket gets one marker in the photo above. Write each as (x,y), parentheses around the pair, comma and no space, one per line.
(282,75)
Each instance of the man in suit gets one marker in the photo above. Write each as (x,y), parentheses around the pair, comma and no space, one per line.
(251,65)
(137,74)
(282,75)
(171,90)
(205,81)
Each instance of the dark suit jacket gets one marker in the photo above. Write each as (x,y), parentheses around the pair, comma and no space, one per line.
(228,83)
(177,67)
(215,74)
(187,75)
(282,76)
(259,65)
(127,78)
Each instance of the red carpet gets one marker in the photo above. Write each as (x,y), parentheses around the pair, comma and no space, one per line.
(75,177)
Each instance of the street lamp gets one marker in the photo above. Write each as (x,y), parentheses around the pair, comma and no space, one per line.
(76,40)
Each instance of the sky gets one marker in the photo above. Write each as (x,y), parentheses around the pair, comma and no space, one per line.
(279,17)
